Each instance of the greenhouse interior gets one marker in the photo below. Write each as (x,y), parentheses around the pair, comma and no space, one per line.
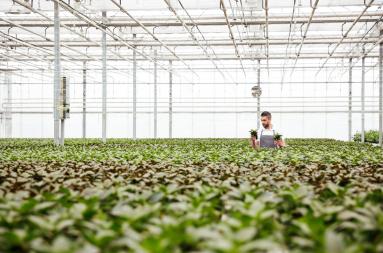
(191,126)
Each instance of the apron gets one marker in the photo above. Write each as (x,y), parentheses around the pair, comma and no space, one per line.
(267,141)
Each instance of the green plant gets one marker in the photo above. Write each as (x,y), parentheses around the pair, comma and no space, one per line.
(254,133)
(371,136)
(190,195)
(277,137)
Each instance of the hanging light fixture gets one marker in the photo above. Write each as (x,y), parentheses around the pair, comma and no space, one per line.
(18,9)
(77,4)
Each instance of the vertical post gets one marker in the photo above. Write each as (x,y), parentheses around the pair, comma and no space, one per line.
(170,99)
(259,97)
(62,128)
(134,92)
(350,100)
(155,93)
(381,91)
(8,109)
(56,89)
(63,103)
(104,81)
(84,100)
(363,97)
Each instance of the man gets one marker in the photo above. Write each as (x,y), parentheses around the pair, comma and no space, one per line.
(266,134)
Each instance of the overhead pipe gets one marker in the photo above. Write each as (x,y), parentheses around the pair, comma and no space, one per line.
(363,38)
(29,7)
(265,7)
(314,7)
(187,43)
(345,35)
(7,36)
(210,20)
(41,36)
(25,63)
(23,54)
(288,43)
(152,34)
(365,41)
(87,19)
(231,34)
(193,36)
(235,17)
(194,57)
(366,52)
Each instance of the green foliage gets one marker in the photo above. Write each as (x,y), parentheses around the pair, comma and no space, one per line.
(371,136)
(183,195)
(277,137)
(254,133)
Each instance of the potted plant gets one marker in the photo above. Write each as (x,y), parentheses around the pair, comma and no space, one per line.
(277,137)
(253,133)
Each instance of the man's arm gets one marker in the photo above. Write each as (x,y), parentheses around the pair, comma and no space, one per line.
(254,142)
(281,143)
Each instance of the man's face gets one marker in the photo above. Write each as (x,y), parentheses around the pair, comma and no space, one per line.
(266,121)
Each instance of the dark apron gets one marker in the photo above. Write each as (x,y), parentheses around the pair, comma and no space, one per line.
(267,141)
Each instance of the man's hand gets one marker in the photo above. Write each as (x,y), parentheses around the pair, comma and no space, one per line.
(280,143)
(254,142)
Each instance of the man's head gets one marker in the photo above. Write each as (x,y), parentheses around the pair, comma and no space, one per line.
(266,119)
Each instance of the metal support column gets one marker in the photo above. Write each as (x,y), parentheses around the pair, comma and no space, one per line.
(363,97)
(104,81)
(84,101)
(170,99)
(381,91)
(134,92)
(62,135)
(350,100)
(155,94)
(259,97)
(8,109)
(56,89)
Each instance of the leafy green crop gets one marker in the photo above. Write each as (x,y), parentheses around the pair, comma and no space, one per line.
(190,195)
(277,137)
(371,136)
(254,133)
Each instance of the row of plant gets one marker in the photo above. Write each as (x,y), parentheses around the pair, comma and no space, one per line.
(183,195)
(196,218)
(27,179)
(191,151)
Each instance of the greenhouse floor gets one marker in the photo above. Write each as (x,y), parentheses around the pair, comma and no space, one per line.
(190,195)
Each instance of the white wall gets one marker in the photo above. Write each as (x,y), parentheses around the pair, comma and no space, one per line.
(34,90)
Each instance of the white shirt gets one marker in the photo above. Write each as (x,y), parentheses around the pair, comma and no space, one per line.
(265,131)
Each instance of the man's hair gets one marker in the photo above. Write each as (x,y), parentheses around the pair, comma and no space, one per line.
(266,114)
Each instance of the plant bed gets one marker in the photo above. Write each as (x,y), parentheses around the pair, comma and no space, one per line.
(182,195)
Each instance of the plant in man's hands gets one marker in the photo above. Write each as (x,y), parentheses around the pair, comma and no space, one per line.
(277,137)
(253,133)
